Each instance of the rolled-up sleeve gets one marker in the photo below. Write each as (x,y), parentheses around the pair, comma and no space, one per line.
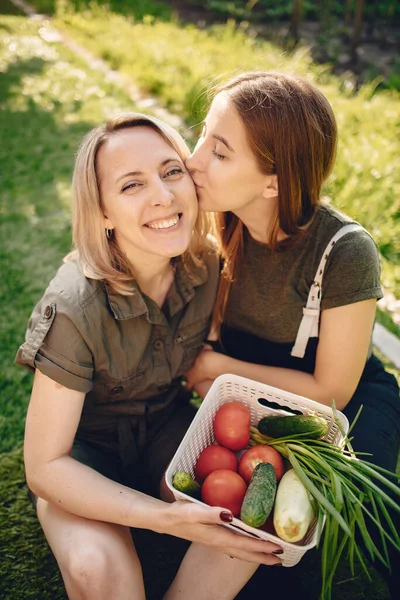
(55,345)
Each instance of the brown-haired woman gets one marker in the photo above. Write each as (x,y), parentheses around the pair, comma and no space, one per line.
(109,341)
(297,301)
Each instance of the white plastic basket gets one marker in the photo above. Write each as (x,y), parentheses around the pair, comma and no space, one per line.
(200,434)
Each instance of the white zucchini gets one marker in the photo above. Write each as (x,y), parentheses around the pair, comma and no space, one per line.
(293,512)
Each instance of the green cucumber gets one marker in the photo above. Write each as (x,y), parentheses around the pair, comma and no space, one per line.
(311,426)
(259,499)
(183,482)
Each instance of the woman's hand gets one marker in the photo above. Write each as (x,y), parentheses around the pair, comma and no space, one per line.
(208,365)
(203,525)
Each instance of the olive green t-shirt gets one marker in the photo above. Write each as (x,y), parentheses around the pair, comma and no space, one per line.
(271,287)
(121,351)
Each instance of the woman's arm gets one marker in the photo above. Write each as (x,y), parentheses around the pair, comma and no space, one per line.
(52,420)
(344,338)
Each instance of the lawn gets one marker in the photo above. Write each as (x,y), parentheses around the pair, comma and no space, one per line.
(49,98)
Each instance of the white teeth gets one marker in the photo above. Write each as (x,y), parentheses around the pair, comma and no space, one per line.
(164,224)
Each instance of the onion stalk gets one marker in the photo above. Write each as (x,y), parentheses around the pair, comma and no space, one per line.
(349,493)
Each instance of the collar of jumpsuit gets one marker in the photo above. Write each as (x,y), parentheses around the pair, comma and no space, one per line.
(181,292)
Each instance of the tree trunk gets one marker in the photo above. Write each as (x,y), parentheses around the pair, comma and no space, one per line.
(371,23)
(348,9)
(324,16)
(295,20)
(357,29)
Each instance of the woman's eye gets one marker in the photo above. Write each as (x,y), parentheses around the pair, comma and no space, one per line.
(174,171)
(131,186)
(219,156)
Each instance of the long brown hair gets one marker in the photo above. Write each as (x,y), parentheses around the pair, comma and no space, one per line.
(291,130)
(101,258)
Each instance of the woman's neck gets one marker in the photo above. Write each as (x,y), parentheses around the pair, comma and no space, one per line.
(258,217)
(154,278)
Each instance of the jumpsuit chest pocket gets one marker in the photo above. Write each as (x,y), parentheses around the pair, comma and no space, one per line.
(108,390)
(191,339)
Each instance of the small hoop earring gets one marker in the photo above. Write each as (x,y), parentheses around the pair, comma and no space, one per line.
(109,233)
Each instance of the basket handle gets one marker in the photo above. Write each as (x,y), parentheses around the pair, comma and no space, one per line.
(276,406)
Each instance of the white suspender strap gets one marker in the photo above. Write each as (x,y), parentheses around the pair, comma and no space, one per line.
(310,321)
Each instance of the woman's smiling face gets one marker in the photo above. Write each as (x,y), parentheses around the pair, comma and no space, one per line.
(222,164)
(148,197)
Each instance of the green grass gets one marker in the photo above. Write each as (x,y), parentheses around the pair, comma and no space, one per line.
(48,100)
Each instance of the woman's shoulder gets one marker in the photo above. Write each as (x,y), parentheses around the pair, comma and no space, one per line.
(71,285)
(329,221)
(330,218)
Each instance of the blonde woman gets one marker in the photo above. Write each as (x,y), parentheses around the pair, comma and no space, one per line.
(117,327)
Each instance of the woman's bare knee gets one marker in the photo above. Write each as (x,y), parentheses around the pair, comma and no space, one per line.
(97,560)
(89,571)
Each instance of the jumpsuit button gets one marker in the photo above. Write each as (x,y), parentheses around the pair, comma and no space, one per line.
(158,344)
(48,312)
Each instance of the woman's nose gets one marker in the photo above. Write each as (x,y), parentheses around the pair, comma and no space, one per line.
(163,195)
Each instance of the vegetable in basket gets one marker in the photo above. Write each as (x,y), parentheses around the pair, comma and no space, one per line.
(293,511)
(259,499)
(213,458)
(348,491)
(232,425)
(278,426)
(258,454)
(183,482)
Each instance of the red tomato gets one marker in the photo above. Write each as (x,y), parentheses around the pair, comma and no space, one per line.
(213,458)
(224,488)
(258,454)
(232,425)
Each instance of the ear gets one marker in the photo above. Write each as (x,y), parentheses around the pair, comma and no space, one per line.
(271,189)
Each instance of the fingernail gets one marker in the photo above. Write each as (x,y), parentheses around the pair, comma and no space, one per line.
(226,516)
(280,551)
(279,564)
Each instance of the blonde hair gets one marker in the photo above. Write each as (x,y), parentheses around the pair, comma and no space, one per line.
(101,258)
(291,130)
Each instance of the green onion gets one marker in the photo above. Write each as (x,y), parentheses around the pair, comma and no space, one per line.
(346,490)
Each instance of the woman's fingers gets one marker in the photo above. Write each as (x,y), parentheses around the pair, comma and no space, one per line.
(189,512)
(259,558)
(199,371)
(203,524)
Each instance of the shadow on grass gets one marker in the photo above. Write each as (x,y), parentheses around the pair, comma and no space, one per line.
(37,155)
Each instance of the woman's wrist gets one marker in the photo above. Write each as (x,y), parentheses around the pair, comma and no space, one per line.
(221,365)
(167,518)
